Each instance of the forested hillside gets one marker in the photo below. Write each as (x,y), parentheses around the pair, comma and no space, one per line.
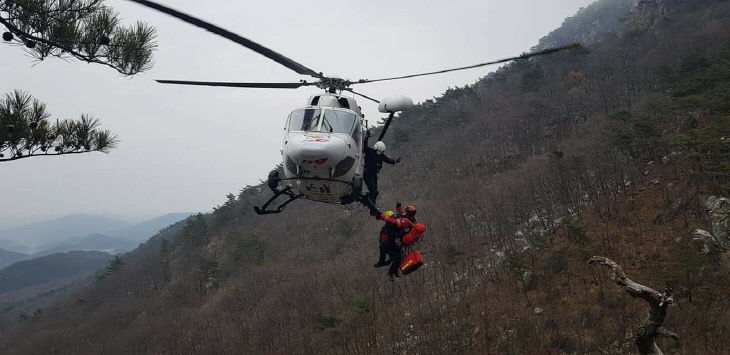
(610,150)
(28,286)
(52,267)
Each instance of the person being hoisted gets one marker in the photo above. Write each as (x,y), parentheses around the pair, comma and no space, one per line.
(374,159)
(396,226)
(388,234)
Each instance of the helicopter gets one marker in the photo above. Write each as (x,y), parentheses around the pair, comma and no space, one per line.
(322,150)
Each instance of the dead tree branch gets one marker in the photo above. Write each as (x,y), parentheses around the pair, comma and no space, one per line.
(651,326)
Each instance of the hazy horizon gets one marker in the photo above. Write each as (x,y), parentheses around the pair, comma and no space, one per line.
(133,219)
(185,148)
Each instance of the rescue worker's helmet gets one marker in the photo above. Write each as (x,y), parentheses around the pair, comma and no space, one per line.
(379,147)
(388,214)
(410,211)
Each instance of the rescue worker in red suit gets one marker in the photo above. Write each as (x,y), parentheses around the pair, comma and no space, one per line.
(395,228)
(388,234)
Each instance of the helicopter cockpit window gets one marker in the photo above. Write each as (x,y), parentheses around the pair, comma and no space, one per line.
(338,122)
(356,133)
(343,102)
(305,119)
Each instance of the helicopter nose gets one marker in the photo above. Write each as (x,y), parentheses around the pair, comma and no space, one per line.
(317,156)
(319,149)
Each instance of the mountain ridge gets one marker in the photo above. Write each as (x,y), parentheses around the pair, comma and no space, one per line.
(46,235)
(91,242)
(57,229)
(8,257)
(142,231)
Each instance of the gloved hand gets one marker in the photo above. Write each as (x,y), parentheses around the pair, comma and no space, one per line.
(397,160)
(379,215)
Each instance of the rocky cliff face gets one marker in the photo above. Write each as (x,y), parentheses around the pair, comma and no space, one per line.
(591,24)
(664,6)
(718,209)
(656,4)
(606,18)
(648,4)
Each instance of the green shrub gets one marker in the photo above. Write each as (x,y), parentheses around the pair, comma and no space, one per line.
(515,262)
(324,321)
(574,230)
(623,116)
(207,266)
(362,304)
(250,249)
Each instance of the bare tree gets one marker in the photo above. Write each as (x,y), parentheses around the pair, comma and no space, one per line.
(651,326)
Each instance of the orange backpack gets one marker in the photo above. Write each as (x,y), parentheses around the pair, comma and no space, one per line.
(414,235)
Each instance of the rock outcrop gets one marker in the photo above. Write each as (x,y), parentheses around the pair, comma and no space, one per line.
(718,210)
(716,240)
(706,242)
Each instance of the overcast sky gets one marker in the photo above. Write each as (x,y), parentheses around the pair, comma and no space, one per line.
(185,148)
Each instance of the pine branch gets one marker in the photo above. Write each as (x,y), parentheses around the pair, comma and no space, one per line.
(76,54)
(26,132)
(85,30)
(43,155)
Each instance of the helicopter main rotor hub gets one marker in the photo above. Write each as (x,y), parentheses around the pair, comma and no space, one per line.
(333,85)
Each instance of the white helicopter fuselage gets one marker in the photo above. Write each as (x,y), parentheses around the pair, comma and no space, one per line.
(322,148)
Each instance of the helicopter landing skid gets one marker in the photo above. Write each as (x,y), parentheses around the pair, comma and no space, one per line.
(286,191)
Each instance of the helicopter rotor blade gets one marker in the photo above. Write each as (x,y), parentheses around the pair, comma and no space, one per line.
(289,63)
(361,95)
(523,56)
(238,85)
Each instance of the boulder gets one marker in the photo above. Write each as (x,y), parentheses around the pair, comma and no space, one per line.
(528,280)
(718,209)
(705,241)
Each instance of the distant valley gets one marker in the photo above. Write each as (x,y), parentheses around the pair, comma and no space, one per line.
(31,238)
(52,258)
(8,257)
(79,232)
(93,242)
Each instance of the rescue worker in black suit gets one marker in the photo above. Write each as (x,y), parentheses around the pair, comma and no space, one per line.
(374,159)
